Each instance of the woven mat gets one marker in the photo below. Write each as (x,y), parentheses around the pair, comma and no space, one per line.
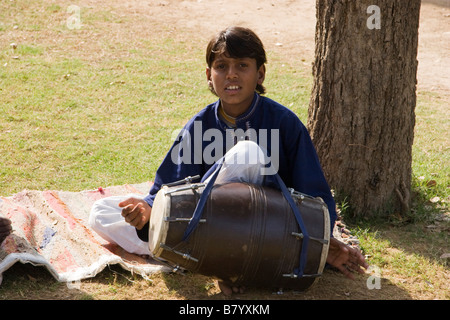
(50,229)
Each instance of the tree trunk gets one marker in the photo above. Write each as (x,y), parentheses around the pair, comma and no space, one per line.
(361,115)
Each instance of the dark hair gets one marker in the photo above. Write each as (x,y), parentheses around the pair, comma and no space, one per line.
(237,42)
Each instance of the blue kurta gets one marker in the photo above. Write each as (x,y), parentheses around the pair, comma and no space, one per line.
(278,130)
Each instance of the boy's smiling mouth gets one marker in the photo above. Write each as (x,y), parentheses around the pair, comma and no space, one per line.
(232,88)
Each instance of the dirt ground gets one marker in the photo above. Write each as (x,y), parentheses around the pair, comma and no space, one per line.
(289,26)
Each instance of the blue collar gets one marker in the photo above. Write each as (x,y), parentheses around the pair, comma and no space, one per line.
(246,116)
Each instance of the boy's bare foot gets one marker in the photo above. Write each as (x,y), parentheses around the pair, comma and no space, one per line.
(228,290)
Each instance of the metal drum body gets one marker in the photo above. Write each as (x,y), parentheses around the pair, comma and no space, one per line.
(248,234)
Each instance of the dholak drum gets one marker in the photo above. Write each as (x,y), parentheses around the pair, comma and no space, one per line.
(247,235)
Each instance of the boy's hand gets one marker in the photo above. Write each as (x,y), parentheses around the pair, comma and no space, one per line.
(136,212)
(346,258)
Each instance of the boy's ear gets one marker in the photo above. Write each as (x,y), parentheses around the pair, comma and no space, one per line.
(208,74)
(261,74)
(209,79)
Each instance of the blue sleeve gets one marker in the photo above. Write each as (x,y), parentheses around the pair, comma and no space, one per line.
(306,172)
(179,163)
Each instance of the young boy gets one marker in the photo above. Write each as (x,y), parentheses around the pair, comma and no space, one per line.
(236,71)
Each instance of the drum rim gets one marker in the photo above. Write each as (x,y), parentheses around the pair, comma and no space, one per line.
(158,227)
(326,225)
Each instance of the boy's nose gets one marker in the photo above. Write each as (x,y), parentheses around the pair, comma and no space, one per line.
(232,73)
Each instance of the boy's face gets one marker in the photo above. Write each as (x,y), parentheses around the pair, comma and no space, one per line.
(234,80)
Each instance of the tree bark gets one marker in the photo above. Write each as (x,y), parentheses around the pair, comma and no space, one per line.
(361,115)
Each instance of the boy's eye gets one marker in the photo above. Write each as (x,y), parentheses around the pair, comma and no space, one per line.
(243,65)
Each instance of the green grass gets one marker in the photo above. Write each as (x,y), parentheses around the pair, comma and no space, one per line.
(94,107)
(67,123)
(431,153)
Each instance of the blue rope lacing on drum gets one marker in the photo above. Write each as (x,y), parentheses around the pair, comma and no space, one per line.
(304,252)
(201,203)
(204,197)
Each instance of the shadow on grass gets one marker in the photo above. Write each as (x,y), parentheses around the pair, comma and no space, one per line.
(424,231)
(27,282)
(332,285)
(410,248)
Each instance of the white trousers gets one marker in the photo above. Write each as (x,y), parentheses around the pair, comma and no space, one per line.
(242,163)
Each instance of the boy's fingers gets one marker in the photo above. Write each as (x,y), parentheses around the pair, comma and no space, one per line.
(138,222)
(141,223)
(134,221)
(126,210)
(129,212)
(132,212)
(126,202)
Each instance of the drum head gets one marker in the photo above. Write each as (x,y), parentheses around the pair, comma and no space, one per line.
(158,227)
